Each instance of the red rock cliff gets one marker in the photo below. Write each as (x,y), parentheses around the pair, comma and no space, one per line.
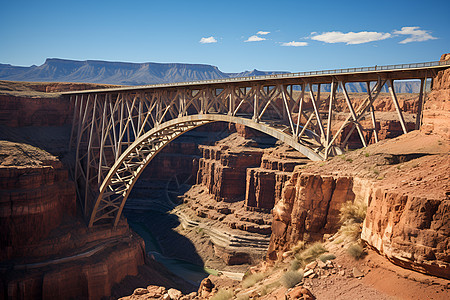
(309,207)
(27,111)
(436,113)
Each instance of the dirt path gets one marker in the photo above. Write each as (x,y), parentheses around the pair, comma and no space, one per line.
(381,280)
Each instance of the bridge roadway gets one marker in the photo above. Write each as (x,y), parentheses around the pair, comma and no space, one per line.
(116,132)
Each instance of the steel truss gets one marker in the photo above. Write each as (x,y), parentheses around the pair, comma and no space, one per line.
(117,132)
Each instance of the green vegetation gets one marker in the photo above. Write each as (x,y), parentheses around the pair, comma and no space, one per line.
(356,251)
(223,295)
(311,253)
(296,264)
(327,256)
(211,271)
(291,278)
(267,289)
(250,280)
(366,154)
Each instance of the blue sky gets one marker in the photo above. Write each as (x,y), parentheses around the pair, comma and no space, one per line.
(275,35)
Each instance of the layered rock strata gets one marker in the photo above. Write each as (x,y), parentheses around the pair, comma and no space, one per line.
(264,184)
(28,111)
(46,250)
(436,114)
(411,231)
(405,183)
(309,207)
(88,274)
(27,213)
(222,170)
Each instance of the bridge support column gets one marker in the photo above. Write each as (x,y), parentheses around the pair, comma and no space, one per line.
(256,100)
(330,114)
(397,106)
(421,101)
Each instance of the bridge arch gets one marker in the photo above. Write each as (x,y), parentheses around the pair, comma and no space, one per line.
(118,131)
(122,176)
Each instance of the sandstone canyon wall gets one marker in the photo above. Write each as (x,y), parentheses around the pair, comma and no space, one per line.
(46,249)
(405,183)
(436,113)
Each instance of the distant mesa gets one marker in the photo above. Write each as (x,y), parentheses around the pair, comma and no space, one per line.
(122,73)
(125,73)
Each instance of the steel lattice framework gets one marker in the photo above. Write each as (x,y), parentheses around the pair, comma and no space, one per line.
(116,132)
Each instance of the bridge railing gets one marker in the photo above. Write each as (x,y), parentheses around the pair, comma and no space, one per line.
(311,73)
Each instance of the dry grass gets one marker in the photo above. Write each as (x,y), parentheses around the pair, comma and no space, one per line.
(352,212)
(351,231)
(223,294)
(291,278)
(351,216)
(252,279)
(327,256)
(311,253)
(297,264)
(356,251)
(300,246)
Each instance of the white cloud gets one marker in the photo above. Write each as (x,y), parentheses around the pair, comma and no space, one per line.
(263,32)
(208,40)
(416,35)
(295,44)
(351,38)
(255,38)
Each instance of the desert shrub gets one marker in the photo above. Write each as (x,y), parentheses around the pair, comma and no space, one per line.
(291,278)
(300,246)
(356,251)
(352,212)
(250,280)
(223,295)
(327,256)
(296,264)
(312,252)
(268,288)
(351,230)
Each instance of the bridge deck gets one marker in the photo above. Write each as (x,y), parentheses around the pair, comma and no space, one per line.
(117,132)
(361,74)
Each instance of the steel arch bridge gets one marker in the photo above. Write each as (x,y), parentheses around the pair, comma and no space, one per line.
(117,132)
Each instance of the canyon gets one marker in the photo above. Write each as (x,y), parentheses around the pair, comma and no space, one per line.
(241,197)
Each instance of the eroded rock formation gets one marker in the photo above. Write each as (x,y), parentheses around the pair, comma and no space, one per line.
(223,170)
(309,207)
(436,113)
(46,249)
(264,184)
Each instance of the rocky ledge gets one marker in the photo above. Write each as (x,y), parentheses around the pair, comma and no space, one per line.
(405,184)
